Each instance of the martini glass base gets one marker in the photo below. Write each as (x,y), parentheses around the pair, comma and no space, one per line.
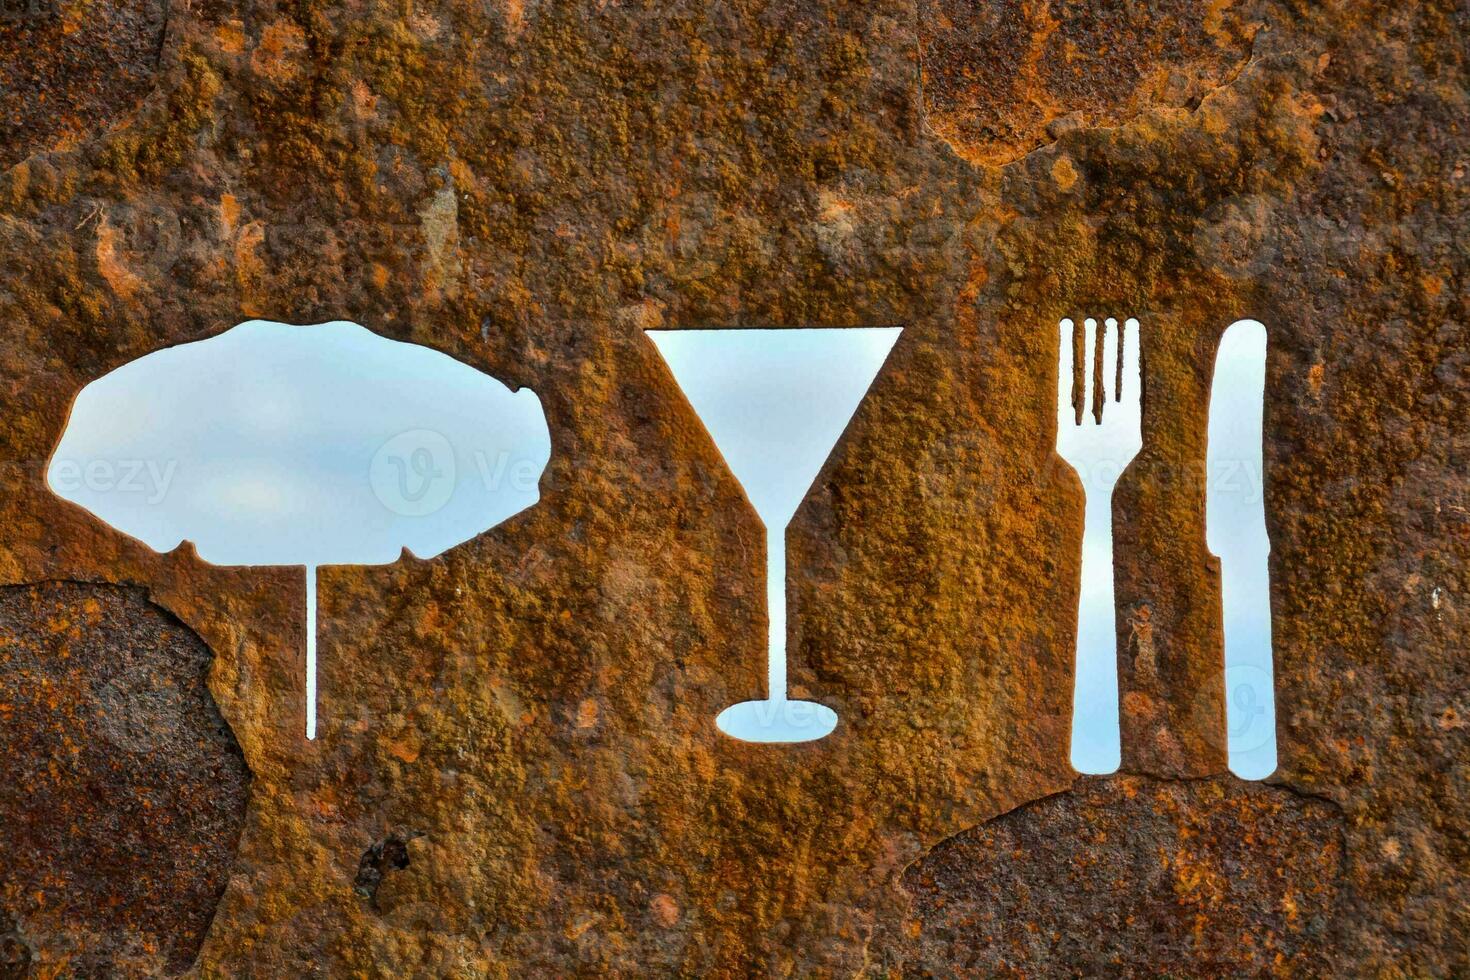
(777,721)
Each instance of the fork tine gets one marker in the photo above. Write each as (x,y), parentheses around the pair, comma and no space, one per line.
(1107,371)
(1118,377)
(1092,391)
(1129,374)
(1066,395)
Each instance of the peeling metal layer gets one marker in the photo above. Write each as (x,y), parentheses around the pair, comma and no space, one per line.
(122,791)
(1130,876)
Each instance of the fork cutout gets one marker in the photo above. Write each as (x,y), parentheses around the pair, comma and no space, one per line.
(1098,436)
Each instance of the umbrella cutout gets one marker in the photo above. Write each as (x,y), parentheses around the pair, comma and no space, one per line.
(275,444)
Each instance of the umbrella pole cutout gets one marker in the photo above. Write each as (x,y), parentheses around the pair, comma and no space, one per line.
(311,651)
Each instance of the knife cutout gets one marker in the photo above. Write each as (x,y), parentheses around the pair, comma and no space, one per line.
(1235,530)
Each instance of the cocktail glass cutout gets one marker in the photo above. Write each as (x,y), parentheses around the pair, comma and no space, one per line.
(775,402)
(274,444)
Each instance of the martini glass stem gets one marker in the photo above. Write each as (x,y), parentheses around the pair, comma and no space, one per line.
(776,612)
(311,651)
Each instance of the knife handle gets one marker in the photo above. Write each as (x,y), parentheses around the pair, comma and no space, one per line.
(1250,713)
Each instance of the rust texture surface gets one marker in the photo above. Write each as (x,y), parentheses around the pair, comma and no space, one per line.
(122,788)
(72,68)
(1002,78)
(517,772)
(1129,876)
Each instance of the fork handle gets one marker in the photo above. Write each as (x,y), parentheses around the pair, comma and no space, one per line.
(1096,743)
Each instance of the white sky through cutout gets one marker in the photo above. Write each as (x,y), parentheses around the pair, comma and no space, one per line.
(1235,529)
(274,444)
(776,402)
